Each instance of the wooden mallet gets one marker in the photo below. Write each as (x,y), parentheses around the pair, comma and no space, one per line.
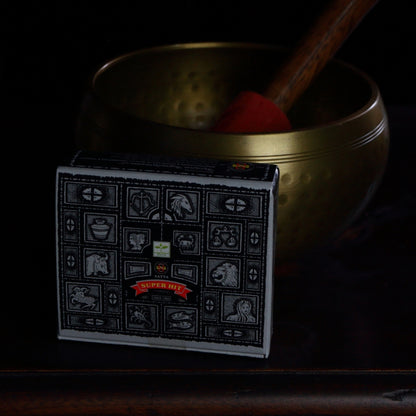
(252,112)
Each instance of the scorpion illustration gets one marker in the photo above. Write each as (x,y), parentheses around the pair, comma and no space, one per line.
(140,316)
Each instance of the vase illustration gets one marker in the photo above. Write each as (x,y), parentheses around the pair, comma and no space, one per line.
(100,228)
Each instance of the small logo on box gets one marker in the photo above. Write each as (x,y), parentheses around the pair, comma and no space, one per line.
(161,249)
(161,268)
(241,166)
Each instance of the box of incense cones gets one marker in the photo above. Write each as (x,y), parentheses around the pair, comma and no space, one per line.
(166,252)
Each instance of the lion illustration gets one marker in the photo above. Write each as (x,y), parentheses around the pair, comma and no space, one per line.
(225,274)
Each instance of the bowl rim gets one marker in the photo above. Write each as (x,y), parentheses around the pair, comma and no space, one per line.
(374,97)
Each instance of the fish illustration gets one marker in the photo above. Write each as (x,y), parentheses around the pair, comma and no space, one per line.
(180,325)
(181,320)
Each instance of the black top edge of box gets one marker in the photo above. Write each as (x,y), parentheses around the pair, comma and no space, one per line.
(175,165)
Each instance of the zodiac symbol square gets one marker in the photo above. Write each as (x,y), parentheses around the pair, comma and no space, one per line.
(224,236)
(181,320)
(183,205)
(188,242)
(142,317)
(223,272)
(100,264)
(100,228)
(135,240)
(83,297)
(142,202)
(239,308)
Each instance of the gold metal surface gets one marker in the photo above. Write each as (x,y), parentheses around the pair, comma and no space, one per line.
(163,100)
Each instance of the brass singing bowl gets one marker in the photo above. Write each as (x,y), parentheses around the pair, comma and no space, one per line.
(164,99)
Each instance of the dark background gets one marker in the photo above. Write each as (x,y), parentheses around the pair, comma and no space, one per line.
(50,50)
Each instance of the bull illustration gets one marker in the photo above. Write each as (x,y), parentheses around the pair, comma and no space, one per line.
(97,263)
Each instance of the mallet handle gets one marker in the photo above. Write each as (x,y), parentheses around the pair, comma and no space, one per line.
(314,50)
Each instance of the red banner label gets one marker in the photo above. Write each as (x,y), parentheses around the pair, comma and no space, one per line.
(146,285)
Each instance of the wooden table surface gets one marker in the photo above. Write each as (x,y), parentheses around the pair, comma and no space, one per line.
(345,326)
